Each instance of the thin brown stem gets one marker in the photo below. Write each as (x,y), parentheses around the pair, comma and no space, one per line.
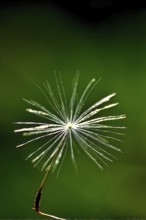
(38,199)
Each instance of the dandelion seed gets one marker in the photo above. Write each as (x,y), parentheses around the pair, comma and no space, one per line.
(67,124)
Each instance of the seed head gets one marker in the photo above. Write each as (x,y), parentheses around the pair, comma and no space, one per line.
(66,124)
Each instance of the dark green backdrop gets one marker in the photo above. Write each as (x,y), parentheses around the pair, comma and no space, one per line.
(33,42)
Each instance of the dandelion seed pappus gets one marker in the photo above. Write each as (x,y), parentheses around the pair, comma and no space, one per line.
(67,123)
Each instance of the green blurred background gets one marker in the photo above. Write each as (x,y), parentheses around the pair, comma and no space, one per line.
(36,40)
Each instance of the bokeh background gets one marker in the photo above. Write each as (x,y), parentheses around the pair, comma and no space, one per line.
(35,40)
